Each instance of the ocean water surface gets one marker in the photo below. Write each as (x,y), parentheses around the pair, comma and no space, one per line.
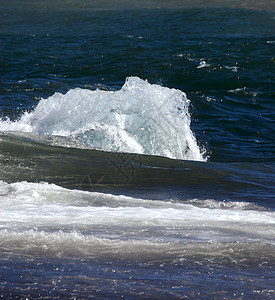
(137,150)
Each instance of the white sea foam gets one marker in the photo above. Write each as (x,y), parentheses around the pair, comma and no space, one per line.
(47,218)
(140,118)
(203,64)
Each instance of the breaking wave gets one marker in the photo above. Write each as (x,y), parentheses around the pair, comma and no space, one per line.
(139,118)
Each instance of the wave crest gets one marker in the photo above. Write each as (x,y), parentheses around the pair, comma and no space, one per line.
(140,118)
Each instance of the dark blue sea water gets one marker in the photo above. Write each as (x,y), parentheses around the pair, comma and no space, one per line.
(137,150)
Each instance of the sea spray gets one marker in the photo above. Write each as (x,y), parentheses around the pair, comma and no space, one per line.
(139,118)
